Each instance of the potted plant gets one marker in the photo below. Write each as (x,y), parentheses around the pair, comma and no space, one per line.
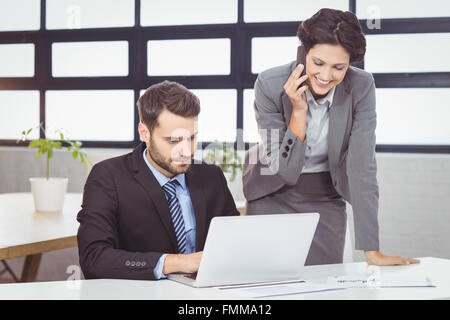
(49,192)
(225,157)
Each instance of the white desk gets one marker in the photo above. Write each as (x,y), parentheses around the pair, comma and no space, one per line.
(24,232)
(437,269)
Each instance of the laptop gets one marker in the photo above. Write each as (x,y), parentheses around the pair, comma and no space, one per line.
(252,249)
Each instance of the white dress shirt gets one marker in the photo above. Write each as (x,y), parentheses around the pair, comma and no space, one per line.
(317,124)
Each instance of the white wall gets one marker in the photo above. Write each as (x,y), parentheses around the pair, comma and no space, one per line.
(414,209)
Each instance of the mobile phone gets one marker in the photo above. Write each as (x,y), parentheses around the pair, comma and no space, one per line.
(301,59)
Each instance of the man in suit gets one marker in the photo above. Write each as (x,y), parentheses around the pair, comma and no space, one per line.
(146,214)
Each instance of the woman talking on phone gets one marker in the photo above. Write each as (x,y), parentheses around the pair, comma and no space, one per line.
(317,122)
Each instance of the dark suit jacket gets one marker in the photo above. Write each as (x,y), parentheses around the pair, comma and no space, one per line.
(125,223)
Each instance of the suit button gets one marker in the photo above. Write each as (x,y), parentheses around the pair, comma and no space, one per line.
(287,148)
(133,263)
(284,154)
(290,141)
(143,263)
(127,263)
(138,264)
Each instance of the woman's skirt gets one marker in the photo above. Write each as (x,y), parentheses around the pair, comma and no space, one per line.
(314,192)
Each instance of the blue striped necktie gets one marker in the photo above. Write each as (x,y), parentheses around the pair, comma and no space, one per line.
(177,216)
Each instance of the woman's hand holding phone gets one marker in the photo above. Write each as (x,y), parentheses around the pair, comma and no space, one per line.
(295,88)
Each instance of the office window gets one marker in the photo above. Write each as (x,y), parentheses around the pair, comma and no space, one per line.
(19,111)
(287,10)
(421,52)
(14,17)
(188,57)
(250,125)
(81,14)
(182,12)
(106,115)
(217,47)
(388,9)
(269,52)
(89,59)
(413,116)
(217,119)
(10,54)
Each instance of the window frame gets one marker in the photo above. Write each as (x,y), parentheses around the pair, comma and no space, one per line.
(240,78)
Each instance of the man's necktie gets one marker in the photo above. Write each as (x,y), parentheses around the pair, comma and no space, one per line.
(177,216)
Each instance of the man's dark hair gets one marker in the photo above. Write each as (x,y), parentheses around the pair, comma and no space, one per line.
(169,95)
(334,27)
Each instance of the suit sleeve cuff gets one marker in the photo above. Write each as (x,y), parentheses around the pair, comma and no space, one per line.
(157,271)
(291,158)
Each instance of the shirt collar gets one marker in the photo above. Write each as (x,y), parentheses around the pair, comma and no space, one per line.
(328,98)
(162,179)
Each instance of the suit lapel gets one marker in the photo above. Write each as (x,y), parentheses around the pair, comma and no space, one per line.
(198,202)
(148,181)
(339,113)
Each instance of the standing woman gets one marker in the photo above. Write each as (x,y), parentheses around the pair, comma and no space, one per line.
(317,126)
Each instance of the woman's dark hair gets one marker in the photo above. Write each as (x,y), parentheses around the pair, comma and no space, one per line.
(169,95)
(334,27)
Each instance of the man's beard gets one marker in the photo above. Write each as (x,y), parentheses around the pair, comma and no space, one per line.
(165,163)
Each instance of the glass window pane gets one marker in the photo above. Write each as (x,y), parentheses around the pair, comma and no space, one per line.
(413,116)
(408,53)
(91,114)
(217,119)
(182,12)
(79,14)
(11,54)
(384,9)
(89,59)
(287,10)
(13,17)
(268,52)
(188,57)
(19,111)
(250,124)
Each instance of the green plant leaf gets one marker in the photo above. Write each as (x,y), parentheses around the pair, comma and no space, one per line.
(47,146)
(34,144)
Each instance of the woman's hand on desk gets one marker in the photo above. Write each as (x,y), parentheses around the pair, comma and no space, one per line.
(379,259)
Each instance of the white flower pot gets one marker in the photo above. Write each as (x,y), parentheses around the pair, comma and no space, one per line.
(48,194)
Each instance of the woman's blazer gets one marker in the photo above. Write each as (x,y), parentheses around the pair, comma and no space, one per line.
(278,159)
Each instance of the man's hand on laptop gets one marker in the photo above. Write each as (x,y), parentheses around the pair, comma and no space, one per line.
(187,263)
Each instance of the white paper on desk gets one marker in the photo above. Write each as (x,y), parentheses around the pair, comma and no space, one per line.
(277,289)
(362,281)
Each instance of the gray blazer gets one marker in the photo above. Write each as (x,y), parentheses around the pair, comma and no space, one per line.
(278,160)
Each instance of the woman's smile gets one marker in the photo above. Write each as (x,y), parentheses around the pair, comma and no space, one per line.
(322,83)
